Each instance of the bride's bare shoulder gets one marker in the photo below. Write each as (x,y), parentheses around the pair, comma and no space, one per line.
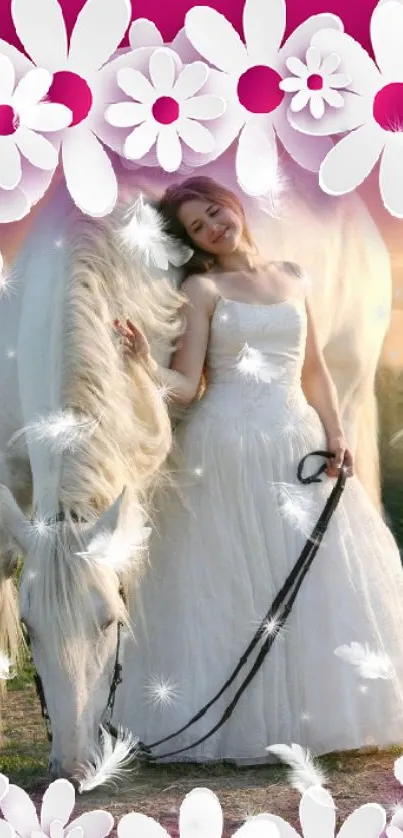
(200,289)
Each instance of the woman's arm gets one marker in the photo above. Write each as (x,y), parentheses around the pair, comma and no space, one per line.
(321,394)
(182,379)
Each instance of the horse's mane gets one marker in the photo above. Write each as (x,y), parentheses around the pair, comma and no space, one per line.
(131,431)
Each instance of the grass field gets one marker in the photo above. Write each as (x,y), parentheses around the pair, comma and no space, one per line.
(353,779)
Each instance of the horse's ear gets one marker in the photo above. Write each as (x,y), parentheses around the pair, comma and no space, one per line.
(110,520)
(15,525)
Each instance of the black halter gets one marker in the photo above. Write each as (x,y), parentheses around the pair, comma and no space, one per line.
(117,668)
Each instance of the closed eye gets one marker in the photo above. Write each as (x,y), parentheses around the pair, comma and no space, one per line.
(107,624)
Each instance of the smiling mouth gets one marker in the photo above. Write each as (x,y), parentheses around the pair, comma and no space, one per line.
(218,238)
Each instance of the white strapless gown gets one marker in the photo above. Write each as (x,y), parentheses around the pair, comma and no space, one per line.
(222,547)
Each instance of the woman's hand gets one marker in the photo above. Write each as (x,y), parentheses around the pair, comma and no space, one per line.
(342,456)
(134,343)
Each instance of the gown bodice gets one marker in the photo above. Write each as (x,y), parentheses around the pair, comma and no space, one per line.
(255,358)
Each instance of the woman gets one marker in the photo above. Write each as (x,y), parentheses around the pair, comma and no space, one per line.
(228,534)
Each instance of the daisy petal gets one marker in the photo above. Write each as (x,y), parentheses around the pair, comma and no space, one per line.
(351,160)
(258,827)
(182,46)
(135,85)
(339,80)
(13,206)
(95,824)
(124,114)
(330,63)
(332,97)
(47,116)
(77,832)
(204,107)
(88,53)
(32,88)
(190,80)
(56,829)
(387,37)
(37,149)
(256,159)
(196,136)
(5,784)
(301,36)
(308,154)
(162,71)
(264,27)
(284,830)
(313,60)
(136,824)
(33,22)
(19,810)
(216,40)
(366,75)
(391,175)
(6,830)
(144,33)
(20,62)
(89,174)
(393,832)
(169,149)
(200,813)
(10,164)
(291,84)
(296,66)
(317,811)
(57,803)
(351,115)
(368,820)
(317,105)
(7,79)
(300,101)
(139,142)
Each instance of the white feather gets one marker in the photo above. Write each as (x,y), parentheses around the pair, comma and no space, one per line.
(111,763)
(145,236)
(119,548)
(305,773)
(6,671)
(370,664)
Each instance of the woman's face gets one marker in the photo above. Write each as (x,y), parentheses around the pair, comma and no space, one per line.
(212,227)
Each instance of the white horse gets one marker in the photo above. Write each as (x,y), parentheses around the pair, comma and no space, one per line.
(71,280)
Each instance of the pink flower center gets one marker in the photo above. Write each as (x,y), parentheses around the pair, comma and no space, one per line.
(8,120)
(314,82)
(71,90)
(388,107)
(165,110)
(258,89)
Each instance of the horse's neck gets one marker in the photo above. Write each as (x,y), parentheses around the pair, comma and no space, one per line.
(39,354)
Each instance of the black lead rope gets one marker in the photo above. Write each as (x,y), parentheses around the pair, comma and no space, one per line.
(291,586)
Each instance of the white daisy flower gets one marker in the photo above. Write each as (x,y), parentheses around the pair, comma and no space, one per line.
(77,84)
(377,114)
(23,116)
(257,105)
(200,814)
(58,802)
(166,110)
(317,814)
(315,83)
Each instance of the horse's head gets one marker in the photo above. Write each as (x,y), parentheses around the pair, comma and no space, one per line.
(73,607)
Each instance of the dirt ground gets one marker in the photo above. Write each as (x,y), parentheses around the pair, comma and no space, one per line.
(157,791)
